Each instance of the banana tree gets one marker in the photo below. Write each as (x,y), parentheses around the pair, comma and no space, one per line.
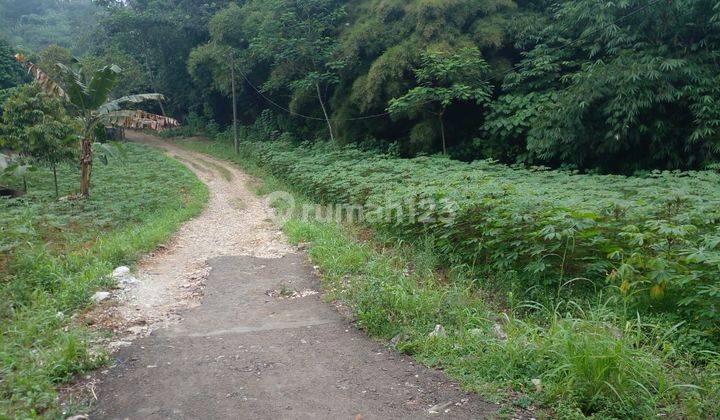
(88,97)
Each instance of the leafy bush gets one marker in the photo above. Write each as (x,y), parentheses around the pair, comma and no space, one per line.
(653,240)
(194,126)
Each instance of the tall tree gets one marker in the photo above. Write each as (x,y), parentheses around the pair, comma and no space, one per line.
(159,35)
(444,79)
(299,40)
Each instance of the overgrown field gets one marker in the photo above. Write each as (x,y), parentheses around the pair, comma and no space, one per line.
(54,254)
(591,295)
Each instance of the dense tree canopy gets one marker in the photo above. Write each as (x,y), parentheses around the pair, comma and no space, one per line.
(614,85)
(590,84)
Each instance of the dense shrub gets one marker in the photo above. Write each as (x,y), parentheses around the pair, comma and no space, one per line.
(653,240)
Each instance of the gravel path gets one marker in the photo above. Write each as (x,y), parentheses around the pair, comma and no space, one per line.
(235,222)
(208,338)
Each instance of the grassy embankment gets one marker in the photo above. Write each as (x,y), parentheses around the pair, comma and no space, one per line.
(574,293)
(54,254)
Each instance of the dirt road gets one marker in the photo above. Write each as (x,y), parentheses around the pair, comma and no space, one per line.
(244,352)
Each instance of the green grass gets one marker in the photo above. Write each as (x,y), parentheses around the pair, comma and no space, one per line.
(572,358)
(223,171)
(54,254)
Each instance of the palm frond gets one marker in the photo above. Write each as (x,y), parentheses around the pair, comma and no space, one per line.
(45,82)
(117,104)
(100,85)
(138,119)
(75,85)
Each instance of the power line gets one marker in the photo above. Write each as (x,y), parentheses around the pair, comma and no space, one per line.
(385,114)
(291,112)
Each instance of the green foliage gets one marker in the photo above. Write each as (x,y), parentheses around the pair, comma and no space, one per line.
(211,59)
(51,56)
(11,73)
(387,39)
(37,24)
(296,38)
(159,35)
(295,41)
(446,78)
(36,124)
(615,86)
(443,80)
(133,78)
(55,254)
(88,91)
(575,359)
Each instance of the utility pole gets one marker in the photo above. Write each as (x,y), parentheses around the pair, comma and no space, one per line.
(234,102)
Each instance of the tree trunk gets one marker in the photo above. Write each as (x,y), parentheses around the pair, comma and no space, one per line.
(327,119)
(234,104)
(54,169)
(442,131)
(85,167)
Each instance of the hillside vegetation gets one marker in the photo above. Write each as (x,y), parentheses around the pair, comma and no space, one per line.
(654,240)
(590,84)
(590,295)
(33,25)
(537,177)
